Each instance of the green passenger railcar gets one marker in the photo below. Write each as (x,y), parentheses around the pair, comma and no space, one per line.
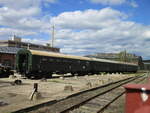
(44,64)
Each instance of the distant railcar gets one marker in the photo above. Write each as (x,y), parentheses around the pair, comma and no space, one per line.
(43,64)
(5,71)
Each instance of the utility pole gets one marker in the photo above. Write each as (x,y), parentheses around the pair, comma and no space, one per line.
(125,53)
(53,37)
(28,46)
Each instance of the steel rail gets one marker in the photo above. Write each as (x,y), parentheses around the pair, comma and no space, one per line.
(114,99)
(102,93)
(50,103)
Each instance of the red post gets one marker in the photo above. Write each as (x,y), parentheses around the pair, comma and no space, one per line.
(137,98)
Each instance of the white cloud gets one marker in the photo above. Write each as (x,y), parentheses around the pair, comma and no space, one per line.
(131,3)
(146,34)
(78,32)
(23,18)
(6,33)
(89,19)
(105,30)
(19,4)
(109,2)
(33,24)
(51,1)
(8,12)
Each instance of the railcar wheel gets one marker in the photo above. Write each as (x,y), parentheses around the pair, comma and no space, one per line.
(47,75)
(72,74)
(81,74)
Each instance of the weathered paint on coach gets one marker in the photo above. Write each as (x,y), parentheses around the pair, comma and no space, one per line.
(33,61)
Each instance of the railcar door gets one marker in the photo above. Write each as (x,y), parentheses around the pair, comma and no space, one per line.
(23,63)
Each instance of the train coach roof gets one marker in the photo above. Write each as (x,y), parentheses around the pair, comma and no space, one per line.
(52,54)
(60,55)
(111,61)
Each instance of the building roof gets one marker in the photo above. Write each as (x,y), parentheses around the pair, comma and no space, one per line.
(106,55)
(9,50)
(12,43)
(110,55)
(146,62)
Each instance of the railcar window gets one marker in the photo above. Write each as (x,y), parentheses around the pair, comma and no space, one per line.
(51,59)
(83,67)
(44,59)
(65,61)
(69,61)
(58,60)
(87,63)
(69,67)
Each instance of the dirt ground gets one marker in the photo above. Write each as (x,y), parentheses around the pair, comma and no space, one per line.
(15,97)
(119,105)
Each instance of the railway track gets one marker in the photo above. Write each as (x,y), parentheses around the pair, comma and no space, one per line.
(90,101)
(100,103)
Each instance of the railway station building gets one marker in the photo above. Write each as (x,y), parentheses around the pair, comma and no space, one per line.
(9,48)
(146,64)
(127,57)
(7,56)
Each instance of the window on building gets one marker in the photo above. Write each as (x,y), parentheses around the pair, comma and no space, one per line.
(7,62)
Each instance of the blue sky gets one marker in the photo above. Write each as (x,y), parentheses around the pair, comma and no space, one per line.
(139,13)
(81,26)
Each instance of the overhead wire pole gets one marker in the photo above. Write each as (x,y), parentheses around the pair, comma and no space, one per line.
(53,35)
